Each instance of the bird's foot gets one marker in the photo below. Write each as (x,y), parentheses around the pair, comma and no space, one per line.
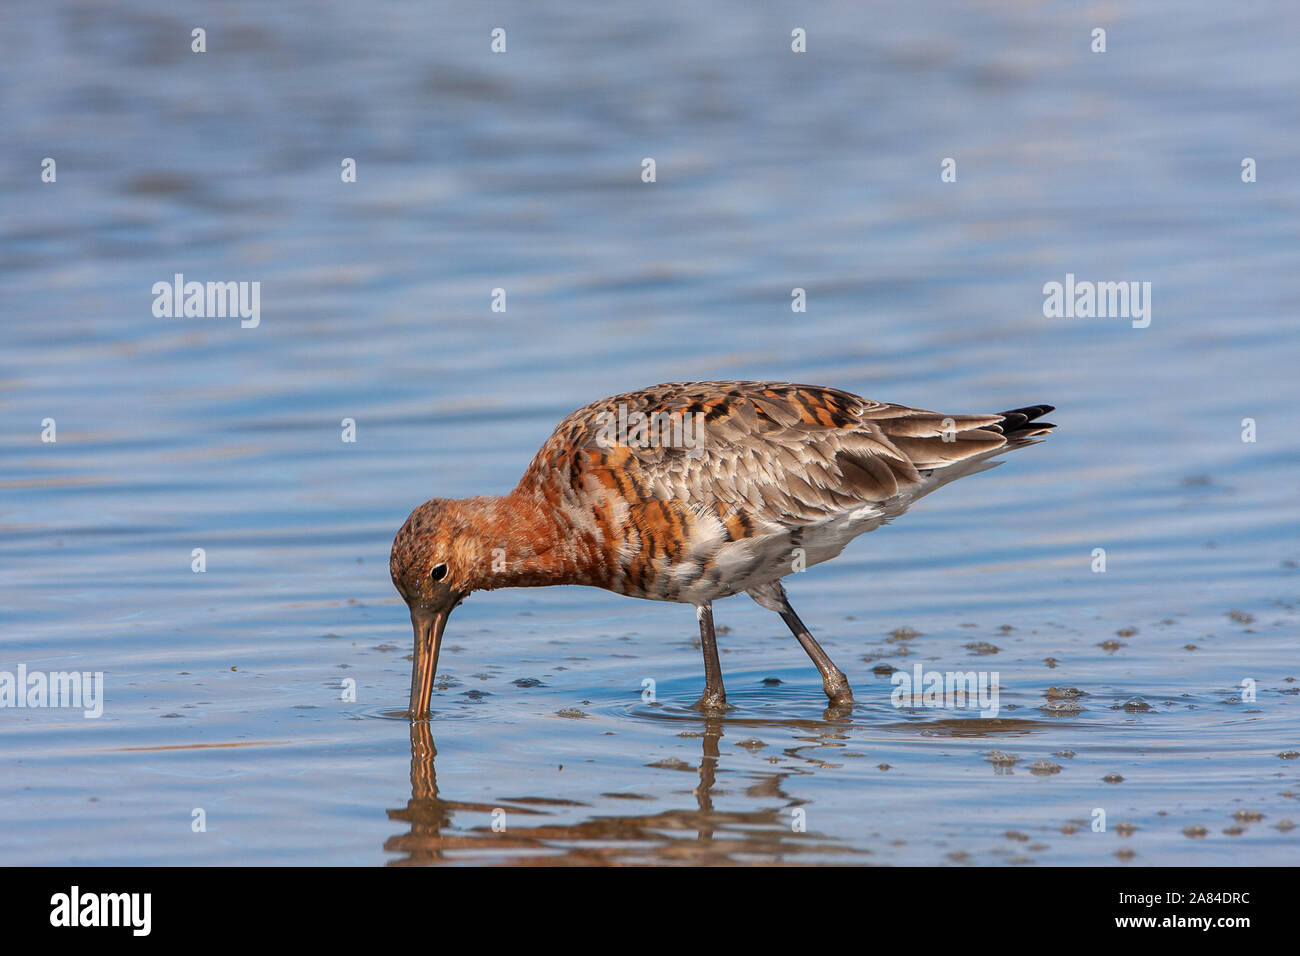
(837,689)
(711,703)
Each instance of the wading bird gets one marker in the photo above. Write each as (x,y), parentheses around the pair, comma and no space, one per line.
(691,492)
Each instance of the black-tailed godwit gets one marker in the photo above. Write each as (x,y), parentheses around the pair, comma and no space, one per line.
(691,492)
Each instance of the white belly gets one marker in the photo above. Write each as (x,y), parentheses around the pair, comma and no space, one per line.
(752,562)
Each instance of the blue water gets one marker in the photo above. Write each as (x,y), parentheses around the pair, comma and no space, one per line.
(522,171)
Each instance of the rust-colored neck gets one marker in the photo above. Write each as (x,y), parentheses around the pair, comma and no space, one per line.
(522,540)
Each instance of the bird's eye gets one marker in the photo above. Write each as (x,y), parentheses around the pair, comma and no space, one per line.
(439,572)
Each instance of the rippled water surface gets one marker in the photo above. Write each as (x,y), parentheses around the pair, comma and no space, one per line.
(522,172)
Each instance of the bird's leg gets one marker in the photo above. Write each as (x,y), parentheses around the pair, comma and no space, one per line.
(834,682)
(714,696)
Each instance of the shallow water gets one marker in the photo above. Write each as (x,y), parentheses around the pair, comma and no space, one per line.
(475,171)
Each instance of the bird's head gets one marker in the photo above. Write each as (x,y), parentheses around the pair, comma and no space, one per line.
(434,564)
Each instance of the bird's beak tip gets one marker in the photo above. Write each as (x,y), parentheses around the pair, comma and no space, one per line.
(428,626)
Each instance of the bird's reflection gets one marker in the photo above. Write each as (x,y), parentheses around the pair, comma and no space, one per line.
(425,812)
(720,836)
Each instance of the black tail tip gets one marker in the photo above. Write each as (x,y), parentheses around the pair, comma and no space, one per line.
(1030,412)
(1023,422)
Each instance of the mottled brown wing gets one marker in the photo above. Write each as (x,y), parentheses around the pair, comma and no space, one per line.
(768,455)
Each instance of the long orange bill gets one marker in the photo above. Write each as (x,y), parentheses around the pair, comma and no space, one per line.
(428,628)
